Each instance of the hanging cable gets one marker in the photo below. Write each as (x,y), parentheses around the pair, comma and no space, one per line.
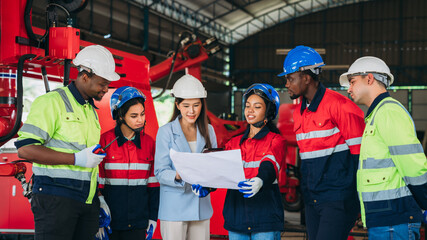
(184,38)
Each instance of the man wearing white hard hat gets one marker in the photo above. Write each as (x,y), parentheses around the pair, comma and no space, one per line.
(392,174)
(59,136)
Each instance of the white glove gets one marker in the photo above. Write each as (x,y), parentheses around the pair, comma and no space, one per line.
(150,229)
(251,187)
(101,234)
(86,157)
(103,205)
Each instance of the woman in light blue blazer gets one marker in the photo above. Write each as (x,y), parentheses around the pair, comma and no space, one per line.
(184,210)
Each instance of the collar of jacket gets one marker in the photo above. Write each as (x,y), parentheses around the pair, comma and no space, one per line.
(78,96)
(316,100)
(377,100)
(122,140)
(262,133)
(180,139)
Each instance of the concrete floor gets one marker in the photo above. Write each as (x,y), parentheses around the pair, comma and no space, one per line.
(294,230)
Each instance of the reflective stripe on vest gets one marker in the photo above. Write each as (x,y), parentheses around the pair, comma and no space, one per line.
(406,149)
(61,173)
(386,194)
(29,128)
(50,142)
(64,97)
(372,163)
(420,180)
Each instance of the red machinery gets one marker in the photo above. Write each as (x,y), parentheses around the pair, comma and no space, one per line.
(23,53)
(289,174)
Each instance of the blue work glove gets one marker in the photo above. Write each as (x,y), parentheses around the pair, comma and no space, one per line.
(199,191)
(104,225)
(104,220)
(102,233)
(86,157)
(104,206)
(150,229)
(250,187)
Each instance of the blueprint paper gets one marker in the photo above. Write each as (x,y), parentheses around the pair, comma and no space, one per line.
(222,169)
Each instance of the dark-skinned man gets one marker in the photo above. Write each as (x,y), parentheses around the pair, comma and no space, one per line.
(328,128)
(59,136)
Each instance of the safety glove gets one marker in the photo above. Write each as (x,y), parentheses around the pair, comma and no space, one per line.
(86,157)
(250,187)
(150,229)
(104,224)
(104,206)
(199,191)
(102,234)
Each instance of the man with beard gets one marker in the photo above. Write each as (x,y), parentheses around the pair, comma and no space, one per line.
(328,129)
(59,136)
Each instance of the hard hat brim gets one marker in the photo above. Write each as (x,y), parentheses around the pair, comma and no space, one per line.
(281,74)
(344,80)
(111,77)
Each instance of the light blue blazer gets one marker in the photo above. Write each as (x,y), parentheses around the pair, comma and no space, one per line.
(177,200)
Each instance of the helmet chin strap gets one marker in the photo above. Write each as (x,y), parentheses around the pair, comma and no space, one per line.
(260,124)
(136,130)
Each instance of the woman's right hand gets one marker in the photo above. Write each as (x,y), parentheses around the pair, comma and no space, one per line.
(177,177)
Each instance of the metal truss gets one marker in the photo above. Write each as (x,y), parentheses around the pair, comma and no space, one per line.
(205,19)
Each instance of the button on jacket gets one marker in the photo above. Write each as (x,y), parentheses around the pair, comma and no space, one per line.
(177,200)
(328,134)
(63,121)
(262,157)
(127,181)
(392,175)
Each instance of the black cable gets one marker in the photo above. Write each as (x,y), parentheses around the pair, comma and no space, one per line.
(27,22)
(172,65)
(61,7)
(19,100)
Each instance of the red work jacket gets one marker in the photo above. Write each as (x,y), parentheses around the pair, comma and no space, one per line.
(329,133)
(127,181)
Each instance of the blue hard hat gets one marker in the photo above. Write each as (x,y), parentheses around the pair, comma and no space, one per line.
(121,96)
(301,58)
(268,93)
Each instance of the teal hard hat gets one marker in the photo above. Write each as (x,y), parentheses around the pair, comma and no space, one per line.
(301,58)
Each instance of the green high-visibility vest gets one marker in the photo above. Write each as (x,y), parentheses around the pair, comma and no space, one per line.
(59,122)
(391,158)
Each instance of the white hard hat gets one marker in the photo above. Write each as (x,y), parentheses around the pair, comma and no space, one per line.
(188,87)
(98,60)
(365,65)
